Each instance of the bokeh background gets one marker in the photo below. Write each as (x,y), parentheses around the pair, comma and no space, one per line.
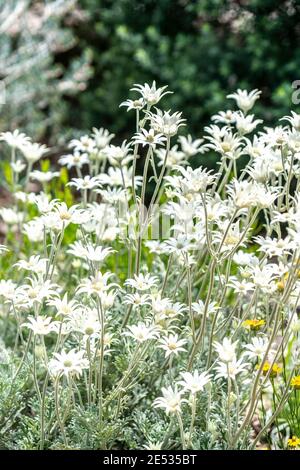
(68,64)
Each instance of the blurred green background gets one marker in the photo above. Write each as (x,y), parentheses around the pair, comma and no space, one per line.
(202,49)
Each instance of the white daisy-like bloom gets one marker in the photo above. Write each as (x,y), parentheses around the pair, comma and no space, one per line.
(33,151)
(90,252)
(242,193)
(165,308)
(62,216)
(134,104)
(241,287)
(245,124)
(40,325)
(76,159)
(180,244)
(18,166)
(153,445)
(150,94)
(83,144)
(7,288)
(294,120)
(15,139)
(142,332)
(96,284)
(275,246)
(108,298)
(226,349)
(242,258)
(116,177)
(34,230)
(43,202)
(63,306)
(189,146)
(172,157)
(172,345)
(10,216)
(137,300)
(257,347)
(275,137)
(224,117)
(264,277)
(35,264)
(69,364)
(230,369)
(43,176)
(119,155)
(142,282)
(35,292)
(194,382)
(166,123)
(171,400)
(101,137)
(86,322)
(77,249)
(197,179)
(85,183)
(224,141)
(150,138)
(244,100)
(199,307)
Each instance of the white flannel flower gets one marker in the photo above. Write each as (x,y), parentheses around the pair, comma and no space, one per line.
(119,155)
(142,332)
(63,306)
(7,289)
(102,137)
(150,94)
(137,300)
(15,139)
(194,382)
(226,350)
(84,144)
(172,345)
(150,138)
(76,160)
(69,364)
(230,369)
(96,284)
(35,264)
(189,146)
(134,104)
(43,176)
(245,124)
(33,151)
(257,348)
(40,325)
(142,282)
(171,401)
(294,120)
(244,100)
(88,182)
(166,123)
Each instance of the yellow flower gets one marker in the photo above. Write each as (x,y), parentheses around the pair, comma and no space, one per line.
(293,442)
(280,286)
(295,382)
(276,369)
(254,324)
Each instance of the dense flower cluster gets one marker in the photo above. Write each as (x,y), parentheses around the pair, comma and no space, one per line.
(199,322)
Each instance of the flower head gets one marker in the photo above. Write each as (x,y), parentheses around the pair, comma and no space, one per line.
(171,400)
(194,382)
(69,364)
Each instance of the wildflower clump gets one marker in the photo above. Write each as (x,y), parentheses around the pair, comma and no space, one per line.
(147,303)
